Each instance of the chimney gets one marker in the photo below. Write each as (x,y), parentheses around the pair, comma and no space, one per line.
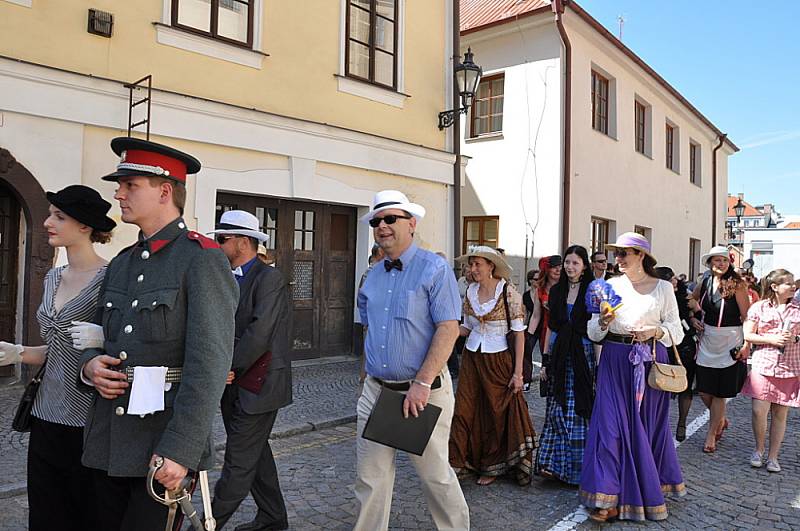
(768,208)
(741,196)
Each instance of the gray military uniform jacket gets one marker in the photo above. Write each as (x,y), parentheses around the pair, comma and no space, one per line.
(166,301)
(262,324)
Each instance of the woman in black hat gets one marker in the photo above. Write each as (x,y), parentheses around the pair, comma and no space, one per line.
(59,487)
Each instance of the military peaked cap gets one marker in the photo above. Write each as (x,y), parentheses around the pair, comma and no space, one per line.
(139,157)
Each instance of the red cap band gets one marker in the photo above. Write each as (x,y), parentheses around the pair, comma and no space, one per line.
(173,168)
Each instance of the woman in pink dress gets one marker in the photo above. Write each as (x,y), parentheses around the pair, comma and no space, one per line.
(772,327)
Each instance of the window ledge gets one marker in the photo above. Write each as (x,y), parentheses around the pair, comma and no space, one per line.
(483,138)
(186,40)
(371,92)
(645,155)
(606,135)
(23,3)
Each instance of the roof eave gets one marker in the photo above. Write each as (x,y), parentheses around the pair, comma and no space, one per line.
(537,11)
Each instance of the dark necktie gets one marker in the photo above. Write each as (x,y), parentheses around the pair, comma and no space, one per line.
(393,264)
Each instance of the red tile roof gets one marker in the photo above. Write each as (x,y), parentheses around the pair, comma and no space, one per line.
(792,225)
(478,14)
(749,210)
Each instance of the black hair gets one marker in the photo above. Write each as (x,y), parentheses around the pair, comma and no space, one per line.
(594,255)
(583,254)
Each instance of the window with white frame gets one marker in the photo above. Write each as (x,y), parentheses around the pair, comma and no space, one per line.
(227,20)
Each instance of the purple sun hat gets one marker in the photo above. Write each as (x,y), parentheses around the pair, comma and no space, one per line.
(632,240)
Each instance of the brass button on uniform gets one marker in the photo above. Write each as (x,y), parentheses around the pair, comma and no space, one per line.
(145,255)
(123,355)
(140,279)
(128,329)
(135,303)
(181,225)
(109,304)
(119,411)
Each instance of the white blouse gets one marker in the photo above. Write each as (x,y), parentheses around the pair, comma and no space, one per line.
(490,336)
(659,308)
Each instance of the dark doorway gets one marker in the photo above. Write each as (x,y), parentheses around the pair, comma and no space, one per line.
(313,245)
(26,193)
(9,260)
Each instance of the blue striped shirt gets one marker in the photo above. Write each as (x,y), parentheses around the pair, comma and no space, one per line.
(402,309)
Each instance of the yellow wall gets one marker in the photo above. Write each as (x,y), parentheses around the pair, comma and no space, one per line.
(297,79)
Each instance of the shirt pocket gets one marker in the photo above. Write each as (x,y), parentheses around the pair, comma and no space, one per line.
(113,304)
(157,317)
(412,304)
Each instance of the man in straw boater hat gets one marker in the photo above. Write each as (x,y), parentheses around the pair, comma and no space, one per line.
(261,378)
(167,309)
(410,309)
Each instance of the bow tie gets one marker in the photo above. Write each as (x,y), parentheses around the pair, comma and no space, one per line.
(237,272)
(393,264)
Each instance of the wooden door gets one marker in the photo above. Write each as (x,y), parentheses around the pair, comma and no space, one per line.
(313,245)
(9,248)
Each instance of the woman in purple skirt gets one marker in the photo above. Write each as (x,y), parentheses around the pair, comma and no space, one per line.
(630,460)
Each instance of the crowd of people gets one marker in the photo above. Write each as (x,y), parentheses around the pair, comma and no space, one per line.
(141,352)
(605,430)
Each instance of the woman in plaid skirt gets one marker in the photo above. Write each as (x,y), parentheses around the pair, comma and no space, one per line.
(568,366)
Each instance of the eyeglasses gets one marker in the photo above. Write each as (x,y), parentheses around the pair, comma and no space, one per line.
(221,239)
(603,261)
(391,219)
(622,253)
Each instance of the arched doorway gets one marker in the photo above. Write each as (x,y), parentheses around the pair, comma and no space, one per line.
(21,192)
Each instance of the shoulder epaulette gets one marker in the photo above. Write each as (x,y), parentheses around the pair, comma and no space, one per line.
(205,243)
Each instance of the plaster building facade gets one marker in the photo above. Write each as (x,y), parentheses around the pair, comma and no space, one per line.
(573,138)
(299,111)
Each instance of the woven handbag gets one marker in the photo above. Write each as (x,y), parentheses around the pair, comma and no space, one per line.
(666,377)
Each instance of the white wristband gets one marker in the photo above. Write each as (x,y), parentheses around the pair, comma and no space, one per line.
(423,384)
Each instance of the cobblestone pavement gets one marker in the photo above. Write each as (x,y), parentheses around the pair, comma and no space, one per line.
(318,470)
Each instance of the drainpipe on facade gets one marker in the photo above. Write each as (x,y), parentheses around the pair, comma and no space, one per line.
(558,11)
(456,133)
(722,138)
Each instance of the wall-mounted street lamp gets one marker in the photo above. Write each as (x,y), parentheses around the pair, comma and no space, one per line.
(468,75)
(739,209)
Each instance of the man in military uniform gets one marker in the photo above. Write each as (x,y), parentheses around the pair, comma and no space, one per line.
(262,381)
(167,310)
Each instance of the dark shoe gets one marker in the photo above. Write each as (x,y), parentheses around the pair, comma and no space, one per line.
(680,433)
(255,525)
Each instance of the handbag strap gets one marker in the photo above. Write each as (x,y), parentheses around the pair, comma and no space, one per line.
(505,301)
(674,349)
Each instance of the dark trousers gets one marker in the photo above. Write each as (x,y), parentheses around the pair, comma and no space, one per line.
(452,361)
(59,487)
(527,359)
(123,504)
(249,465)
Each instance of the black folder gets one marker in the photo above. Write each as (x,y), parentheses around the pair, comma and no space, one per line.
(386,424)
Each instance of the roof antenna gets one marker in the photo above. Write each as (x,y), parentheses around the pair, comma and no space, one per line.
(621,21)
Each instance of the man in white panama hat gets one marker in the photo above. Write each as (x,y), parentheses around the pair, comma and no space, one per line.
(410,308)
(260,382)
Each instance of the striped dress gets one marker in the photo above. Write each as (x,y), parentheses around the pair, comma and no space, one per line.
(59,399)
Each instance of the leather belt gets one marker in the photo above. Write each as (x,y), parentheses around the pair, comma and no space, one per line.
(173,374)
(618,338)
(405,386)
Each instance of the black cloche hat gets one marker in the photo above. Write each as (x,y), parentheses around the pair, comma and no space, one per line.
(85,205)
(145,158)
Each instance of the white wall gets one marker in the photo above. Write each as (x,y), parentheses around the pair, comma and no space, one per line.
(612,180)
(785,250)
(516,175)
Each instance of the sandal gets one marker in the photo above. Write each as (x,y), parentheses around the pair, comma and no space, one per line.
(724,427)
(604,515)
(708,449)
(680,433)
(546,474)
(486,480)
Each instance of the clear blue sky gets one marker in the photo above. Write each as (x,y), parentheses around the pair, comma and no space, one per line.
(739,63)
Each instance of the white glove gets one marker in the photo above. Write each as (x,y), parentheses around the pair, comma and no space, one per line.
(10,353)
(86,335)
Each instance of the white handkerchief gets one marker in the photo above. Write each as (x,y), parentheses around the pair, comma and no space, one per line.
(147,391)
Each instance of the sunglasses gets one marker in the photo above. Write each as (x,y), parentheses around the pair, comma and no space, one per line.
(222,239)
(600,261)
(622,253)
(391,219)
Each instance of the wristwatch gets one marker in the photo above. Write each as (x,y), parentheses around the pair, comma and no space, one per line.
(797,339)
